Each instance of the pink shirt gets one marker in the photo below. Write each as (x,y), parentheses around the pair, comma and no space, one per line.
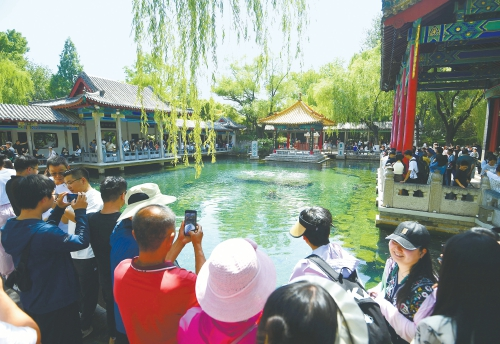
(197,326)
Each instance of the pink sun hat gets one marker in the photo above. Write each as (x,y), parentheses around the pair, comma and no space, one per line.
(234,283)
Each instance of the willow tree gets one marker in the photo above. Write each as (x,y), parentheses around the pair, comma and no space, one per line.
(182,37)
(353,94)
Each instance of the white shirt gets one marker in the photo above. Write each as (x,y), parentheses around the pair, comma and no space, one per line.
(78,152)
(94,204)
(51,154)
(333,254)
(59,189)
(413,167)
(5,174)
(10,334)
(398,167)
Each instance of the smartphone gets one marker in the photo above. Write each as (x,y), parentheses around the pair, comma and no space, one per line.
(70,197)
(189,221)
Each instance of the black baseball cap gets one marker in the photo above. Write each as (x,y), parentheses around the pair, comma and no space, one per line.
(411,235)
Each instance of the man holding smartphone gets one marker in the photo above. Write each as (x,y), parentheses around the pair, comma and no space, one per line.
(162,291)
(84,260)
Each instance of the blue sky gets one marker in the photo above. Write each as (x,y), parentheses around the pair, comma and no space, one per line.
(101,31)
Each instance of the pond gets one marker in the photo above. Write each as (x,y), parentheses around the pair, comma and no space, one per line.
(240,198)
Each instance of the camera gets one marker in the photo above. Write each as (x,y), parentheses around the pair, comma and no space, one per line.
(189,221)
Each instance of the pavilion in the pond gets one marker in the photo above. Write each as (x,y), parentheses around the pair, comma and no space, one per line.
(299,118)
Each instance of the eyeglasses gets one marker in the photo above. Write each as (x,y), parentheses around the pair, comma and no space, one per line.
(71,182)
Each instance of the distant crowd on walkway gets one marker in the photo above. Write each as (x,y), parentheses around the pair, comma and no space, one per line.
(61,240)
(457,165)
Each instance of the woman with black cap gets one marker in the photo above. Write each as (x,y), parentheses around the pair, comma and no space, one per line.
(407,281)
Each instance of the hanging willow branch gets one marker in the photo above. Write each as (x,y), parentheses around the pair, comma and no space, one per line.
(182,37)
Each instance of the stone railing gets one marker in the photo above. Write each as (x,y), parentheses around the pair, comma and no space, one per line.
(433,197)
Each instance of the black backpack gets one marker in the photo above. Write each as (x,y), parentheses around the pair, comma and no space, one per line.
(423,170)
(378,331)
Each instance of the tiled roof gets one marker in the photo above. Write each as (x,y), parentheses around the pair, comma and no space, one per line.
(39,114)
(229,124)
(298,113)
(110,93)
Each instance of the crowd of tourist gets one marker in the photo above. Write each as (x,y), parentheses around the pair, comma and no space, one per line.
(61,240)
(457,165)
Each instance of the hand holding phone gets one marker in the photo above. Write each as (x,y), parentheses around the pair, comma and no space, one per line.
(190,218)
(71,197)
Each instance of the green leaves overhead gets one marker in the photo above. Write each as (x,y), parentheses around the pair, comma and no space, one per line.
(184,35)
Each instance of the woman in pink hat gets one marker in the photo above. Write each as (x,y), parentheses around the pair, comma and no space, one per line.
(232,288)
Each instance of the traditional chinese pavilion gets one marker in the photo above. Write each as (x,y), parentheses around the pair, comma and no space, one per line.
(298,118)
(440,45)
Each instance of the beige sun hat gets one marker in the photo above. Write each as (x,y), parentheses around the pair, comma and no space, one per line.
(147,193)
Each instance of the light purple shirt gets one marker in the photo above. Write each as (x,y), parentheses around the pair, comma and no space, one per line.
(333,254)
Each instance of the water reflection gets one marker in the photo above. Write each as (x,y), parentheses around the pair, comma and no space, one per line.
(239,198)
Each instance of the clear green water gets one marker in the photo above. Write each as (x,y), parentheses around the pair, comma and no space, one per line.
(261,201)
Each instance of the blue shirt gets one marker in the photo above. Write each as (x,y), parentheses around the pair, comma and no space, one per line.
(55,284)
(123,246)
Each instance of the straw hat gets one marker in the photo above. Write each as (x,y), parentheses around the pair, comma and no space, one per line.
(149,193)
(235,282)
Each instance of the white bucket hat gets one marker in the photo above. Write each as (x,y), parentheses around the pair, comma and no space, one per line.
(234,283)
(152,195)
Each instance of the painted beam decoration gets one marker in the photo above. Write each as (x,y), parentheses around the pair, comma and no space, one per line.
(481,6)
(449,58)
(460,31)
(393,7)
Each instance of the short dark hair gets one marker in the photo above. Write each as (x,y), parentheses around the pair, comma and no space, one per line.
(399,157)
(22,162)
(151,230)
(321,219)
(112,188)
(464,163)
(408,152)
(465,151)
(439,150)
(79,172)
(301,312)
(2,160)
(32,189)
(56,161)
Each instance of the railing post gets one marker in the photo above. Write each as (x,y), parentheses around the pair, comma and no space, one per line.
(388,188)
(485,185)
(436,192)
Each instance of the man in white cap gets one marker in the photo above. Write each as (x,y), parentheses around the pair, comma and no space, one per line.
(151,292)
(314,227)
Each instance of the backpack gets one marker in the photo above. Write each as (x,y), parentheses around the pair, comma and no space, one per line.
(423,170)
(378,331)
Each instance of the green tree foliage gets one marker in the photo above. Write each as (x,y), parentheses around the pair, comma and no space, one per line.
(257,89)
(353,94)
(13,47)
(69,66)
(445,113)
(15,82)
(184,35)
(41,76)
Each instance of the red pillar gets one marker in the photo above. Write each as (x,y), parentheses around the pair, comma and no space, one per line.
(320,140)
(495,103)
(411,102)
(395,117)
(402,113)
(288,140)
